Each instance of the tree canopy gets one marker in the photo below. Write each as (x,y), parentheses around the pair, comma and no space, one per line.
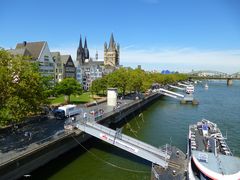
(138,80)
(22,91)
(67,87)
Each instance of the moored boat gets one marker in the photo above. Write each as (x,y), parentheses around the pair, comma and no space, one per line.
(206,86)
(190,89)
(209,155)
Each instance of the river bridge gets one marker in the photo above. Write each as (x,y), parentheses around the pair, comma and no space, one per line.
(215,75)
(127,143)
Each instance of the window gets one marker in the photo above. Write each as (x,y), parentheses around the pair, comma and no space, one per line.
(46,58)
(70,69)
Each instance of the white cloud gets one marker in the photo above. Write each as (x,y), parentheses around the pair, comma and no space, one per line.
(184,59)
(177,59)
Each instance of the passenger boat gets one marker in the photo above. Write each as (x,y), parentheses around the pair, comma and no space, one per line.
(190,89)
(209,155)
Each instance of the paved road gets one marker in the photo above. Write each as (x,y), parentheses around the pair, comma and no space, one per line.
(33,134)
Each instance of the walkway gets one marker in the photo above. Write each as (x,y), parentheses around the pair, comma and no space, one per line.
(125,142)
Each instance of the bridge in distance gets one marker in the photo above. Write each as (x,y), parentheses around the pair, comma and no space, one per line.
(215,75)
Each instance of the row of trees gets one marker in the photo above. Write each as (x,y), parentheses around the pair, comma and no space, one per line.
(127,79)
(24,91)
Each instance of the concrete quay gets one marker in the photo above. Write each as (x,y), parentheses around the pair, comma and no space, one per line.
(19,155)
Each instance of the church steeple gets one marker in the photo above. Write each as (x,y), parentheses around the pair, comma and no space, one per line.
(86,51)
(85,43)
(111,43)
(111,53)
(80,52)
(80,42)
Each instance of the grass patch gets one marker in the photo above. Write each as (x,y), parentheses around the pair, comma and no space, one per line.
(78,99)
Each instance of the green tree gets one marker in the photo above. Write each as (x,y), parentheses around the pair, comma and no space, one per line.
(21,88)
(104,84)
(147,82)
(119,79)
(67,87)
(136,78)
(96,86)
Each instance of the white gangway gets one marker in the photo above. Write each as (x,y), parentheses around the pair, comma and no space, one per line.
(181,84)
(127,143)
(170,93)
(176,87)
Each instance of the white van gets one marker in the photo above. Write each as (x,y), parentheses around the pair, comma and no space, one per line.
(70,110)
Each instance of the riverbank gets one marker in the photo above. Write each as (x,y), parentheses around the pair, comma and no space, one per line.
(31,158)
(164,121)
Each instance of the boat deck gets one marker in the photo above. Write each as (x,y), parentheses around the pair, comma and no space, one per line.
(210,152)
(207,144)
(177,166)
(219,164)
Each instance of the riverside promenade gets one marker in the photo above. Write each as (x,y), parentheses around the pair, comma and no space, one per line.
(33,145)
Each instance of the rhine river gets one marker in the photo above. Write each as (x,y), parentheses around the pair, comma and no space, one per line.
(165,121)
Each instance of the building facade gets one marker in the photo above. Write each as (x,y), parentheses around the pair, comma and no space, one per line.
(39,52)
(91,70)
(87,69)
(111,53)
(59,68)
(69,67)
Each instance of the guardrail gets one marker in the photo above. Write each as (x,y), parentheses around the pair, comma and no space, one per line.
(119,109)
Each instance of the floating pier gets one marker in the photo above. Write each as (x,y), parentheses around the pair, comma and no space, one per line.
(184,99)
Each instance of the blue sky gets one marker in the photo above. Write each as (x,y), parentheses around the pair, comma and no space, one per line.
(158,34)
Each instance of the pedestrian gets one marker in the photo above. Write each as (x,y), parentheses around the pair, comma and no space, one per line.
(84,115)
(30,136)
(26,134)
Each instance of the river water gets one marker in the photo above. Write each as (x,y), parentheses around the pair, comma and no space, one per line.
(165,121)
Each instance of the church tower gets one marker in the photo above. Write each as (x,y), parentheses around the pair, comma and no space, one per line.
(86,52)
(111,53)
(80,53)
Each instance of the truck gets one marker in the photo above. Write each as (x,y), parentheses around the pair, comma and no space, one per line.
(70,110)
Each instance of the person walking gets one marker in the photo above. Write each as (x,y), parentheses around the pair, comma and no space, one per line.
(84,115)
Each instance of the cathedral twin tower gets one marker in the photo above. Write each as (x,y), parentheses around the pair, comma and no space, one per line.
(82,53)
(111,53)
